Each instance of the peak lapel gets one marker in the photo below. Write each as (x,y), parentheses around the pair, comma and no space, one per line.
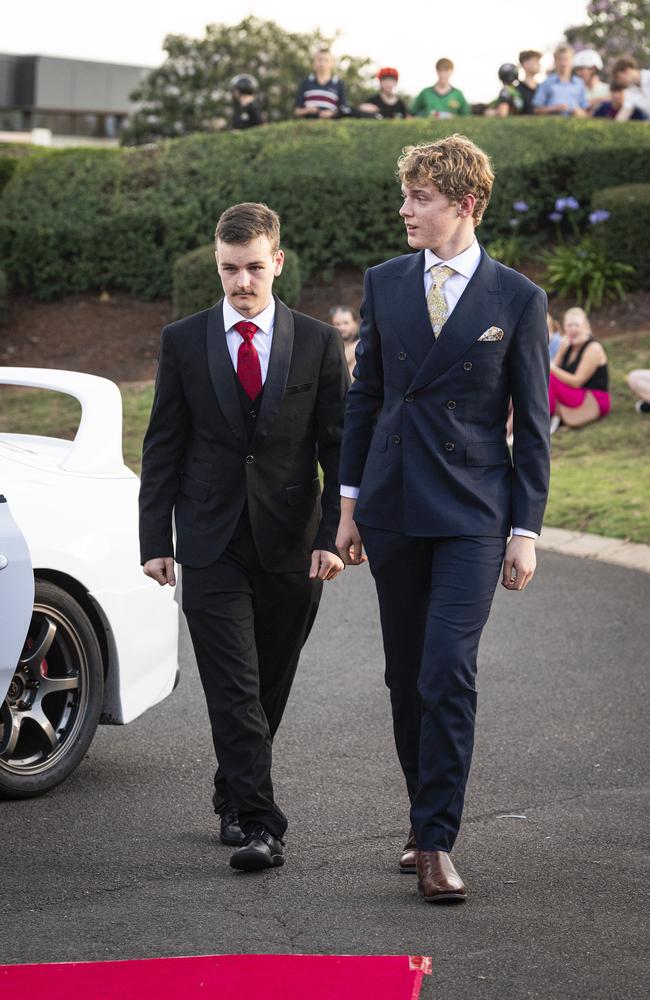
(221,372)
(477,308)
(276,376)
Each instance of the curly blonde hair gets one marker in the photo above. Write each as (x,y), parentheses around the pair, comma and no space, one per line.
(455,166)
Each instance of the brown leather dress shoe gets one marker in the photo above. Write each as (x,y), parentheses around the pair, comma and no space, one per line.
(438,880)
(407,861)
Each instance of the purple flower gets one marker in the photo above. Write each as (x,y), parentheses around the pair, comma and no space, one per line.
(571,204)
(555,217)
(599,215)
(513,223)
(520,206)
(560,205)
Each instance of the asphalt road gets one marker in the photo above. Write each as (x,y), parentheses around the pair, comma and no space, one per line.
(123,861)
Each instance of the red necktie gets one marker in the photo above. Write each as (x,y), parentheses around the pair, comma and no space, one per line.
(249,370)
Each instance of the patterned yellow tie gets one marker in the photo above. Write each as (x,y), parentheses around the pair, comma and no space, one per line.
(436,301)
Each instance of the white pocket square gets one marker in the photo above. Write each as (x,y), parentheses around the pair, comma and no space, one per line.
(492,333)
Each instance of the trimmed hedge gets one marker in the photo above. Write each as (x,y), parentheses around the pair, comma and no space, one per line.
(626,234)
(196,282)
(88,219)
(4,294)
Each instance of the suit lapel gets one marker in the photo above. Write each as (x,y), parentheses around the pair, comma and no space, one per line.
(477,308)
(278,370)
(407,308)
(221,372)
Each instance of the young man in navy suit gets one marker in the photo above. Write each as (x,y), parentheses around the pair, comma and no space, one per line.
(429,487)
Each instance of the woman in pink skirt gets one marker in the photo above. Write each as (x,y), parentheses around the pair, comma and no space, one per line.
(578,387)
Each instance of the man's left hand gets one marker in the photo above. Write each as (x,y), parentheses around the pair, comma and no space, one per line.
(519,563)
(324,565)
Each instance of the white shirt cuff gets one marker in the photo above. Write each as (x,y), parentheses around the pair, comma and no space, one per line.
(525,532)
(351,492)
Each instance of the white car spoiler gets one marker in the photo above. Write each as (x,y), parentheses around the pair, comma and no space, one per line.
(97,447)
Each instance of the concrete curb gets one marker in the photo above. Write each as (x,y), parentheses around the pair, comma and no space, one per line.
(598,547)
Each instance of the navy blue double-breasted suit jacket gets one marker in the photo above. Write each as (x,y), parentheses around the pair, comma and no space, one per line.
(424,436)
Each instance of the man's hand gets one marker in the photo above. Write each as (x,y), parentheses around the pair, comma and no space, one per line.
(325,565)
(519,562)
(348,539)
(161,570)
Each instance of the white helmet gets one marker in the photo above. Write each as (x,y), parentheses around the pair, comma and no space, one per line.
(587,59)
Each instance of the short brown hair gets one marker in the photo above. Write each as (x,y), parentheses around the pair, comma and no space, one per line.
(455,166)
(625,62)
(529,54)
(445,64)
(242,223)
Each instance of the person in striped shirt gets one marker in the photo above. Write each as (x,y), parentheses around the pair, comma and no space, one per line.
(322,93)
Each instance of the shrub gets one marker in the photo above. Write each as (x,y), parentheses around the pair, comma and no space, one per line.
(4,289)
(196,283)
(93,219)
(582,271)
(626,234)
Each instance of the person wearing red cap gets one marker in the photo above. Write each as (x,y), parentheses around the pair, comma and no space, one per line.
(386,103)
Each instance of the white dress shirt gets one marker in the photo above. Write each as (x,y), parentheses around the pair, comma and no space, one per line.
(464,264)
(262,338)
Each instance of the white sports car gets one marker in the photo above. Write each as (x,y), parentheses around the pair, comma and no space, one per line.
(102,643)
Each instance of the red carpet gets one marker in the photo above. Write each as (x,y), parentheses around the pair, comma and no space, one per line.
(272,977)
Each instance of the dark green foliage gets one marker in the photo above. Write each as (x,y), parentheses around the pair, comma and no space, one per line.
(190,91)
(196,282)
(4,291)
(91,219)
(615,28)
(626,234)
(583,271)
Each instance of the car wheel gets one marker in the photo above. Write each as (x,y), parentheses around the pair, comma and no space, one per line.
(52,708)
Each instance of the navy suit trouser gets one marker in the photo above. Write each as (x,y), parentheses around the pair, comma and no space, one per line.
(435,596)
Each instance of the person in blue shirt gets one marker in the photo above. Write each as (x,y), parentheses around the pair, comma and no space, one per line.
(562,93)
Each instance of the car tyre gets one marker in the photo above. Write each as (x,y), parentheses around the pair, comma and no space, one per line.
(52,708)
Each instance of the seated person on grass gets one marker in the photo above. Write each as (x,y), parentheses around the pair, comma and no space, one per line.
(578,387)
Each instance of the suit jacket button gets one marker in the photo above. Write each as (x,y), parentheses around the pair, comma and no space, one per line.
(396,439)
(451,405)
(401,356)
(250,459)
(449,446)
(409,398)
(468,366)
(253,413)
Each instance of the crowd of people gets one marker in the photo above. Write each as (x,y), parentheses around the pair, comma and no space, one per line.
(576,87)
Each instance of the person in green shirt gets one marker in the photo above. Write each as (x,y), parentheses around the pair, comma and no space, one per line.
(442,100)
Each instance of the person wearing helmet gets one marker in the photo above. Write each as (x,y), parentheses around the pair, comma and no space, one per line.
(588,65)
(386,103)
(509,100)
(245,112)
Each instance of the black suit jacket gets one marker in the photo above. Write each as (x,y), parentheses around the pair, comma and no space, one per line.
(425,425)
(200,464)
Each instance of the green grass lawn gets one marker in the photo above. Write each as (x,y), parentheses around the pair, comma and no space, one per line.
(600,479)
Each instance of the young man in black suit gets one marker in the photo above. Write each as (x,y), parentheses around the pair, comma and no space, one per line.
(249,401)
(448,336)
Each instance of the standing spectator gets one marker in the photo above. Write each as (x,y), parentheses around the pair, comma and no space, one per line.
(637,85)
(561,93)
(530,62)
(386,103)
(245,112)
(322,93)
(588,65)
(441,100)
(578,387)
(509,101)
(611,108)
(345,321)
(639,384)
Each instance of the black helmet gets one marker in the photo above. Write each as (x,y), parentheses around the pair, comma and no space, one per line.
(244,83)
(508,73)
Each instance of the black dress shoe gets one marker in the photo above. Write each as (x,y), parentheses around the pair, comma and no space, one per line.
(231,832)
(261,850)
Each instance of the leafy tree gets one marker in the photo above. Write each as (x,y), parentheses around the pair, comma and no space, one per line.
(615,28)
(190,91)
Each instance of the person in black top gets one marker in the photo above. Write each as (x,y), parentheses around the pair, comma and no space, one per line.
(386,103)
(529,60)
(578,387)
(245,112)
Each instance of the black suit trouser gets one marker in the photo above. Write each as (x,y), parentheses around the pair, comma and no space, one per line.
(434,596)
(247,628)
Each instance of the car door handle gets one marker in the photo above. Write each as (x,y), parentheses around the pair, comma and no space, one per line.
(4,562)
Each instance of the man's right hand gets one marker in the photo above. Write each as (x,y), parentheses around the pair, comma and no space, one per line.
(348,539)
(161,570)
